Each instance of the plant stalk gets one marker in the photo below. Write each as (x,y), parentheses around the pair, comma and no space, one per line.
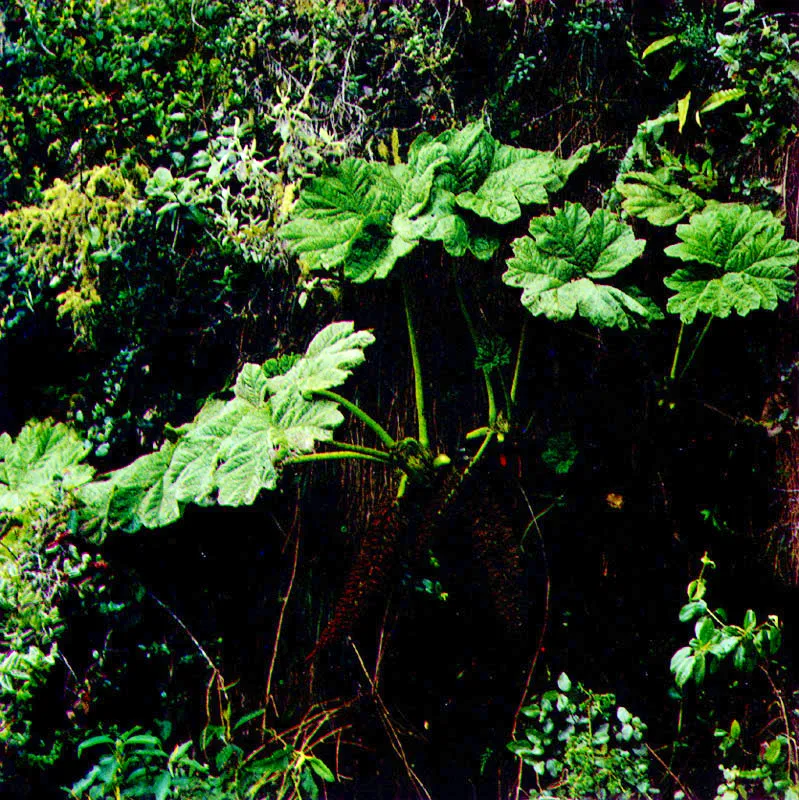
(517,369)
(696,347)
(371,423)
(418,382)
(492,403)
(359,448)
(673,373)
(335,455)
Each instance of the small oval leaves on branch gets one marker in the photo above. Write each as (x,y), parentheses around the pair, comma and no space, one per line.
(232,449)
(562,268)
(738,260)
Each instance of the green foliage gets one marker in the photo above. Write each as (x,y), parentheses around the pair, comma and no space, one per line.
(562,269)
(232,449)
(40,465)
(740,262)
(87,83)
(365,216)
(714,640)
(33,585)
(560,453)
(657,197)
(772,775)
(137,764)
(228,191)
(67,238)
(581,744)
(761,58)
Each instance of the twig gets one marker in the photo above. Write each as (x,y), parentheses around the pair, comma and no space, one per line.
(539,644)
(669,772)
(283,604)
(396,743)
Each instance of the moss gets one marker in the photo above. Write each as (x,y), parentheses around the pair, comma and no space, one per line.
(66,238)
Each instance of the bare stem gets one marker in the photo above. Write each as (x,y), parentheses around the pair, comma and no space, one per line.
(418,382)
(371,423)
(517,369)
(673,373)
(696,346)
(335,455)
(492,403)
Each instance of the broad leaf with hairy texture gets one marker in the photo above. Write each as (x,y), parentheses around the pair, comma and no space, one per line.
(738,260)
(561,265)
(233,449)
(362,217)
(344,219)
(517,177)
(655,197)
(42,460)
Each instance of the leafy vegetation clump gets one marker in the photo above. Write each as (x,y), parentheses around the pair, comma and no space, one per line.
(367,591)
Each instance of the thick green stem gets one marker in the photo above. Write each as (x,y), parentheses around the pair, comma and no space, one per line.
(369,451)
(673,373)
(375,426)
(696,347)
(517,369)
(492,403)
(334,455)
(418,382)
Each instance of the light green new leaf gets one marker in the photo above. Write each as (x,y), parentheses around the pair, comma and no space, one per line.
(362,217)
(44,458)
(718,99)
(233,449)
(519,176)
(658,44)
(560,266)
(656,197)
(344,219)
(738,260)
(329,360)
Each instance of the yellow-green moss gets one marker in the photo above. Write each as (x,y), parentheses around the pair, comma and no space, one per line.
(75,222)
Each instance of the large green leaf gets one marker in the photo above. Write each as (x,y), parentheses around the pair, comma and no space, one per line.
(517,177)
(233,449)
(738,260)
(344,220)
(656,197)
(362,217)
(560,266)
(43,460)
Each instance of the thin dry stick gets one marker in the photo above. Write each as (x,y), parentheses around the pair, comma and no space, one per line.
(789,740)
(285,601)
(396,743)
(539,644)
(670,773)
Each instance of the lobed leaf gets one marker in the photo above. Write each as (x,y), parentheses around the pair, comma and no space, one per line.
(233,449)
(656,198)
(361,217)
(559,268)
(738,260)
(44,458)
